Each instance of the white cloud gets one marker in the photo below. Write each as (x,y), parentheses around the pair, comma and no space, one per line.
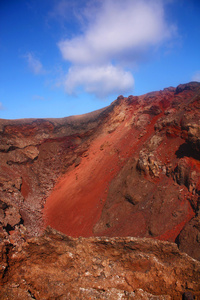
(1,106)
(119,33)
(196,76)
(119,27)
(34,64)
(99,80)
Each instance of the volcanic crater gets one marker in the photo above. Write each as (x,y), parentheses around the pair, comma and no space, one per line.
(111,197)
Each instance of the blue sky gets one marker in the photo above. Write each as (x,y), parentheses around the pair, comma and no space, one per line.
(61,58)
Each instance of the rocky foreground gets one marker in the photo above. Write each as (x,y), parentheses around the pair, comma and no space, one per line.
(55,266)
(128,171)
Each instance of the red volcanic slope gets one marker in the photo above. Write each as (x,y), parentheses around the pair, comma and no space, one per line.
(130,169)
(140,175)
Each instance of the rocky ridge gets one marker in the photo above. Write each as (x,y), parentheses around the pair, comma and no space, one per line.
(130,169)
(54,266)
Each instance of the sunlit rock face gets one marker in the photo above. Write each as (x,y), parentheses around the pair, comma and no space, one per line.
(131,169)
(54,266)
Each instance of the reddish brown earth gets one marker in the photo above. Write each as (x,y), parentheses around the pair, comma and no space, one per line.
(54,266)
(130,169)
(140,175)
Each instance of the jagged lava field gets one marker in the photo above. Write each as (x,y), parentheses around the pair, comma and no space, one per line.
(104,205)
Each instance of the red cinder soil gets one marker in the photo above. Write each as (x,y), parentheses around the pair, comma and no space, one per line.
(123,182)
(129,182)
(130,169)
